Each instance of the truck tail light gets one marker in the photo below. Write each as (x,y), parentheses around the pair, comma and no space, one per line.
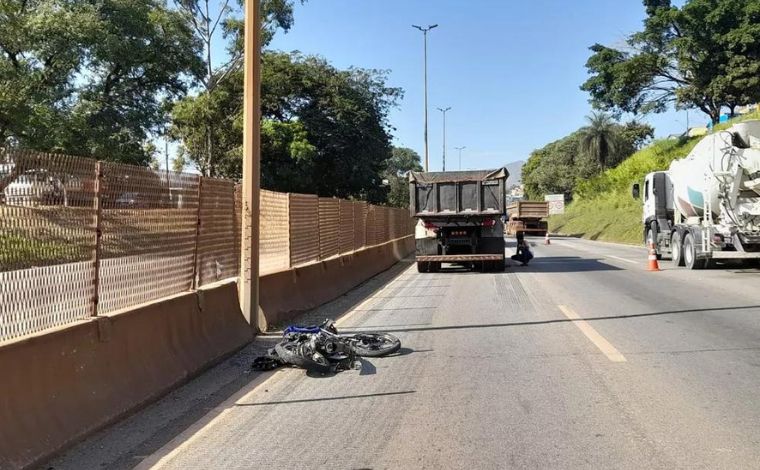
(431,226)
(488,223)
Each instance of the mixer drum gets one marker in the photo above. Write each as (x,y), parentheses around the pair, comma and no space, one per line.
(688,177)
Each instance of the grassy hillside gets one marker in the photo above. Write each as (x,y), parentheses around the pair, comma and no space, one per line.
(603,208)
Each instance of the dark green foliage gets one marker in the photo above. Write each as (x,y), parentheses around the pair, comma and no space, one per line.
(704,55)
(402,161)
(599,140)
(91,78)
(560,166)
(324,130)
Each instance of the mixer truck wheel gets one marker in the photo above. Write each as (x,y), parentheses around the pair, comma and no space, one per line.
(675,246)
(690,253)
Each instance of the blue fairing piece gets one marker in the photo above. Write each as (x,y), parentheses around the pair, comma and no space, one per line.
(301,329)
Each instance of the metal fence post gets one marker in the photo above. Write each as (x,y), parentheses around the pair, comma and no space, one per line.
(319,232)
(195,280)
(98,237)
(290,230)
(290,238)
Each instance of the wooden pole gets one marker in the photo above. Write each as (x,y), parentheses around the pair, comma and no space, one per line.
(249,251)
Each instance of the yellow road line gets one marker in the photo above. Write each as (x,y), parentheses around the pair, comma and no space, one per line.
(607,349)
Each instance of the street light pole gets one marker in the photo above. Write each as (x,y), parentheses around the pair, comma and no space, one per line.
(424,34)
(444,135)
(248,286)
(460,155)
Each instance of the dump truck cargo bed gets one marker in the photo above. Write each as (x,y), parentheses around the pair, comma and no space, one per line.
(528,210)
(459,218)
(528,217)
(457,193)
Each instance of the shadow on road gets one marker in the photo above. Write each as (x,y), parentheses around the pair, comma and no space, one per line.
(311,400)
(569,320)
(564,264)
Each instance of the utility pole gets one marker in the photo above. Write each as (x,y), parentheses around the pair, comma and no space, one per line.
(460,155)
(687,123)
(424,34)
(444,135)
(249,251)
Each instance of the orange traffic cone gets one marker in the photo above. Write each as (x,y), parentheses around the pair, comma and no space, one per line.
(547,240)
(653,264)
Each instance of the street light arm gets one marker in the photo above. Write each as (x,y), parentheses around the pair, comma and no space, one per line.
(433,26)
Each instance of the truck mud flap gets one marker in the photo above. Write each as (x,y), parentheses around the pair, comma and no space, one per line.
(491,245)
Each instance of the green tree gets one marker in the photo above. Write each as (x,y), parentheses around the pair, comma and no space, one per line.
(179,163)
(552,169)
(42,46)
(324,130)
(91,78)
(561,165)
(206,124)
(599,139)
(402,161)
(631,137)
(705,54)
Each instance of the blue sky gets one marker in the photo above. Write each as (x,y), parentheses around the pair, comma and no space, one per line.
(510,70)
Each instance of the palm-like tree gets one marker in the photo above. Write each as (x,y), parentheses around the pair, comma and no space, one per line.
(600,138)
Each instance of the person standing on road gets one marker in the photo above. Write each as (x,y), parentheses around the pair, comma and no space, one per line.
(523,255)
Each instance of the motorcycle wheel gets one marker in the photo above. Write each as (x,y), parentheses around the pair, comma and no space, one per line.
(289,352)
(376,344)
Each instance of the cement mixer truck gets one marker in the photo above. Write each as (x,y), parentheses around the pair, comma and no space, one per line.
(706,207)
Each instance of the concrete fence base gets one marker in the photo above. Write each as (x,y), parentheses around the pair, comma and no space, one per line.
(60,386)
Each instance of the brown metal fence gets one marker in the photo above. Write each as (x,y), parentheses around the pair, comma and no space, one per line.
(304,228)
(161,233)
(329,228)
(218,254)
(274,241)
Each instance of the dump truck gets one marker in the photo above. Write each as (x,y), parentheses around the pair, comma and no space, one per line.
(459,218)
(528,217)
(706,206)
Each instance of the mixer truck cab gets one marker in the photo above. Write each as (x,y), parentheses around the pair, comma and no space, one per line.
(658,206)
(706,206)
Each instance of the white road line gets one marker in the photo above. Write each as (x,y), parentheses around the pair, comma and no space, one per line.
(607,349)
(622,259)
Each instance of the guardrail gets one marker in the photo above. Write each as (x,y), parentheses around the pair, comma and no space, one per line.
(81,238)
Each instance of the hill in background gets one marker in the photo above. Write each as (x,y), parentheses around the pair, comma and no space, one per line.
(515,173)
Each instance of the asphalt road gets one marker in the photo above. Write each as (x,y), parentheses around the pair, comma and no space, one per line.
(583,359)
